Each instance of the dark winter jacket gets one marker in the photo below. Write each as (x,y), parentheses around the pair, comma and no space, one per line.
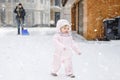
(20,13)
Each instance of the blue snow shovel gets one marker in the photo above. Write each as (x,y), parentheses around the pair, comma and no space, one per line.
(25,32)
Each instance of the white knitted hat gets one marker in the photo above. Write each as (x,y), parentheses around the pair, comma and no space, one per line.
(61,23)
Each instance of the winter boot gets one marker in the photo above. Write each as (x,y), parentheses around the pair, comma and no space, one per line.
(18,31)
(22,28)
(54,74)
(71,75)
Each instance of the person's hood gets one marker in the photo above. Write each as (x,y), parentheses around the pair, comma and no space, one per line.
(61,23)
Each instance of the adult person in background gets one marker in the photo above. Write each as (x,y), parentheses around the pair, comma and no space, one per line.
(20,16)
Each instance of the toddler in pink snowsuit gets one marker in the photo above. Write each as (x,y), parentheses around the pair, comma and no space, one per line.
(64,44)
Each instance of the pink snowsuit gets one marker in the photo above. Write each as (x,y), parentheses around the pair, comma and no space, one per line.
(64,44)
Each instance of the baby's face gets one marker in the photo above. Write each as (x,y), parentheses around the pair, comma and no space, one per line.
(65,29)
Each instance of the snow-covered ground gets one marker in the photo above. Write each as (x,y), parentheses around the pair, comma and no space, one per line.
(30,57)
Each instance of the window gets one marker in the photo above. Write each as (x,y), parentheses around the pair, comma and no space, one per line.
(30,1)
(2,1)
(15,1)
(57,2)
(41,1)
(12,0)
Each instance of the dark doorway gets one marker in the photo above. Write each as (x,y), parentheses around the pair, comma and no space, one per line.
(57,17)
(2,16)
(80,23)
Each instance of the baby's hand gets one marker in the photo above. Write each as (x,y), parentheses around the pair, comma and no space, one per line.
(79,53)
(64,49)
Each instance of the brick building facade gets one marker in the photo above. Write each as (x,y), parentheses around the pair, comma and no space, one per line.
(87,16)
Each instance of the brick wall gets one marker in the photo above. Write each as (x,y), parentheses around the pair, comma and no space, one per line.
(97,11)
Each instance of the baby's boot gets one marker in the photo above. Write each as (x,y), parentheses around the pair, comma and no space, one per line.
(54,74)
(71,75)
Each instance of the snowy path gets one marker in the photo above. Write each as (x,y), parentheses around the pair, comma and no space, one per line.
(30,57)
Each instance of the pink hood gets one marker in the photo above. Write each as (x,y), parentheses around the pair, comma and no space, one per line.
(61,23)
